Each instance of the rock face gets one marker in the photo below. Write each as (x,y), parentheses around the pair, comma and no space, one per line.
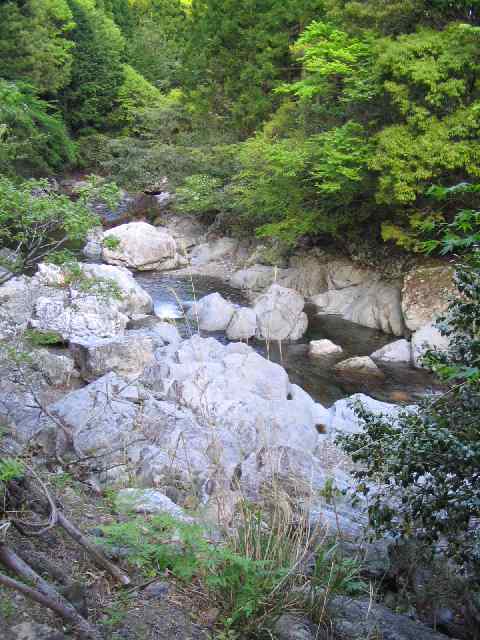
(140,246)
(319,348)
(398,351)
(374,305)
(359,366)
(16,305)
(126,355)
(361,619)
(211,313)
(213,251)
(243,324)
(280,314)
(425,295)
(428,337)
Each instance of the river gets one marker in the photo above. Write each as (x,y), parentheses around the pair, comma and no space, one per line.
(174,294)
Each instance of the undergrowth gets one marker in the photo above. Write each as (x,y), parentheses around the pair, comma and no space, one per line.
(264,567)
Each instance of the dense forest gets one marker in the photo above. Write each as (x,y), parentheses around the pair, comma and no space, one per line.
(293,118)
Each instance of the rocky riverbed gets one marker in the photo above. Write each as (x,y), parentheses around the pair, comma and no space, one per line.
(183,371)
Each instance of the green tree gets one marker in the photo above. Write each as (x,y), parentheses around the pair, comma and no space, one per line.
(34,45)
(239,53)
(97,72)
(33,138)
(36,221)
(157,41)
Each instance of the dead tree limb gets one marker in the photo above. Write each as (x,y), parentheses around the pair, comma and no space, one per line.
(42,589)
(98,557)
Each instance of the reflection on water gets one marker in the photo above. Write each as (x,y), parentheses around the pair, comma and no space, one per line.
(173,295)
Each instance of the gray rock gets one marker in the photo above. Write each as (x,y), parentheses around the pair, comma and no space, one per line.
(361,619)
(375,305)
(320,348)
(78,315)
(126,355)
(243,324)
(17,300)
(132,298)
(291,627)
(213,251)
(362,366)
(100,419)
(428,337)
(342,417)
(211,313)
(141,246)
(399,351)
(280,314)
(35,631)
(256,278)
(58,369)
(148,501)
(94,244)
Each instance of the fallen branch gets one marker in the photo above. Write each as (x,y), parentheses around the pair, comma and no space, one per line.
(43,593)
(99,559)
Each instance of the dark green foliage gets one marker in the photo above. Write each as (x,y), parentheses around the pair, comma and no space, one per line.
(34,45)
(97,72)
(238,53)
(33,138)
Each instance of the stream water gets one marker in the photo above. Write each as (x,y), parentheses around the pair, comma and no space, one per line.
(174,294)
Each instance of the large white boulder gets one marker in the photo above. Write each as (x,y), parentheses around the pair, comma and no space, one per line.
(78,315)
(280,314)
(211,313)
(399,351)
(140,246)
(126,355)
(115,285)
(133,299)
(243,324)
(426,338)
(426,294)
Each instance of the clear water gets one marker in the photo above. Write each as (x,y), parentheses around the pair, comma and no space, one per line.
(173,295)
